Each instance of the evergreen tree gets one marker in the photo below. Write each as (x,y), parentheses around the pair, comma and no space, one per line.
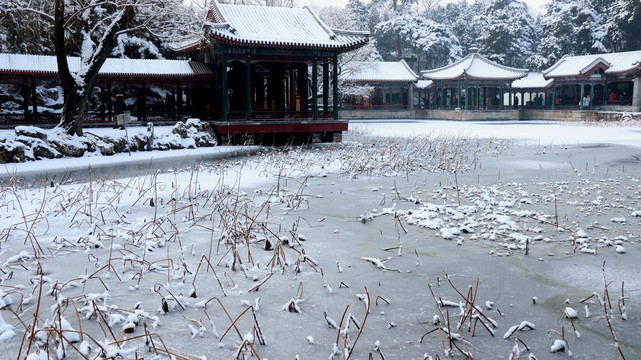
(24,32)
(361,11)
(466,20)
(558,32)
(509,35)
(432,44)
(390,44)
(588,23)
(623,25)
(573,27)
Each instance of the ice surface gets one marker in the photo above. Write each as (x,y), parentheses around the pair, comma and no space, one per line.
(184,240)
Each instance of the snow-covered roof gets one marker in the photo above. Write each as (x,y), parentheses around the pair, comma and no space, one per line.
(533,80)
(377,71)
(267,26)
(424,84)
(475,66)
(576,66)
(186,45)
(43,64)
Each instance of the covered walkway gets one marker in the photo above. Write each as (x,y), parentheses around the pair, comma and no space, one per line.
(153,90)
(378,85)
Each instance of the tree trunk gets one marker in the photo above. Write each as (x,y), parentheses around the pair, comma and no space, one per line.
(75,93)
(73,112)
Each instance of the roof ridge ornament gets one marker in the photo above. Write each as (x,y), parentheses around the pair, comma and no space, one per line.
(218,15)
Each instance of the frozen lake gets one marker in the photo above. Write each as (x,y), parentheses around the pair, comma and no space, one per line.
(384,217)
(532,132)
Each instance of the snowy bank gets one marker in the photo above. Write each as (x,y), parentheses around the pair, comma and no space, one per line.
(29,143)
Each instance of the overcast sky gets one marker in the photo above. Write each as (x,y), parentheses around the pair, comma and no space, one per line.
(535,5)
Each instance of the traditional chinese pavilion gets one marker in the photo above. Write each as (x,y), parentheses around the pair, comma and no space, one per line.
(390,84)
(612,79)
(154,90)
(276,72)
(472,83)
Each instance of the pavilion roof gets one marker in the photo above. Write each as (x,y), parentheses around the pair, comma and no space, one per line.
(474,66)
(533,80)
(577,66)
(45,64)
(379,71)
(266,26)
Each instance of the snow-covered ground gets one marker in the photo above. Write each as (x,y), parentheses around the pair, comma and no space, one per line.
(279,253)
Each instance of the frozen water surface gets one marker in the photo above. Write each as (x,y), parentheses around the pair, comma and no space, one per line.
(386,218)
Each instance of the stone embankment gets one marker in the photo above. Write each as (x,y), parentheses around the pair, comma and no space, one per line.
(28,143)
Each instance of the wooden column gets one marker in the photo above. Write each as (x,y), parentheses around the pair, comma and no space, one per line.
(467,97)
(592,95)
(218,105)
(103,103)
(179,99)
(189,101)
(335,78)
(478,97)
(248,85)
(581,96)
(410,95)
(315,87)
(223,89)
(305,86)
(554,96)
(172,110)
(25,101)
(325,87)
(292,87)
(110,110)
(636,93)
(143,99)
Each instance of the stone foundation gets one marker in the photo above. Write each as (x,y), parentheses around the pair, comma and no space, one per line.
(377,114)
(486,115)
(468,115)
(567,115)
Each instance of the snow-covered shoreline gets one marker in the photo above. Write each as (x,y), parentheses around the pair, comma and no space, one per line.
(31,143)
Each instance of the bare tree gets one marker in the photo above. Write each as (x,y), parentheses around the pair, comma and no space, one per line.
(351,61)
(427,5)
